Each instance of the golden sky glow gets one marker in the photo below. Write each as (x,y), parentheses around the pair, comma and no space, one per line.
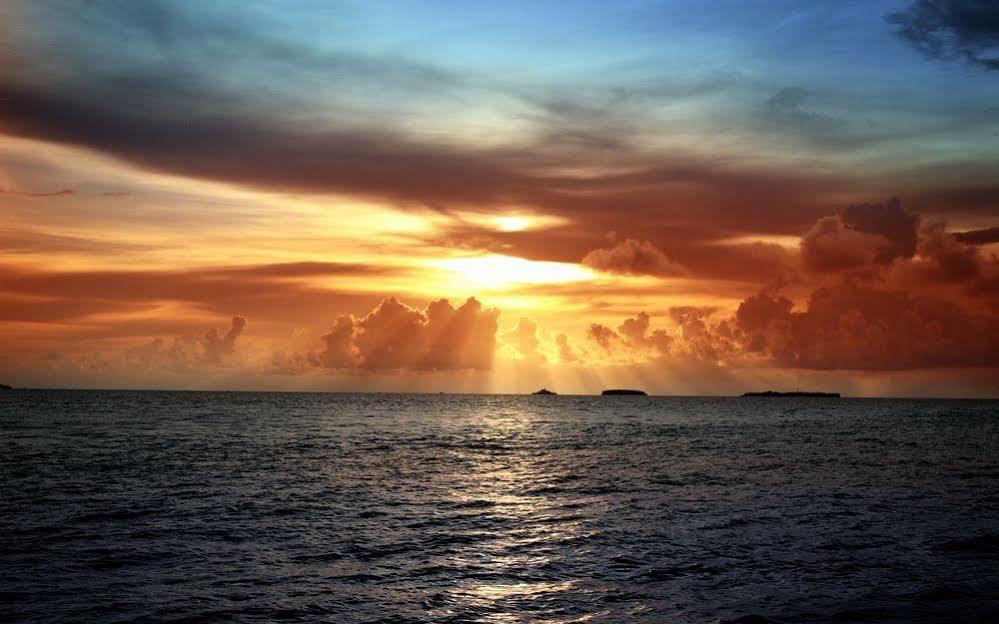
(590,219)
(495,272)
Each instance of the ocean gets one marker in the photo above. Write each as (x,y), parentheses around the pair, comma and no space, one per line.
(259,507)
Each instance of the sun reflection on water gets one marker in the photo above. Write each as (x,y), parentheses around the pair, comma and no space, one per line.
(509,482)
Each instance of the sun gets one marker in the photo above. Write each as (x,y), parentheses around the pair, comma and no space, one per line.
(512,224)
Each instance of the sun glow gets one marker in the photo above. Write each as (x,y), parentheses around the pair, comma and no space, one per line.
(509,221)
(512,224)
(496,271)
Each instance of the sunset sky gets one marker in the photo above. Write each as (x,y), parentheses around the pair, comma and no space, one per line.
(685,197)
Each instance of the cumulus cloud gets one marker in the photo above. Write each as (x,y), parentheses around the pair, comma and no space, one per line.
(849,326)
(858,327)
(888,220)
(861,235)
(186,353)
(948,259)
(217,346)
(635,333)
(699,340)
(892,246)
(757,311)
(830,246)
(338,345)
(633,257)
(603,336)
(566,354)
(524,338)
(395,336)
(633,337)
(633,330)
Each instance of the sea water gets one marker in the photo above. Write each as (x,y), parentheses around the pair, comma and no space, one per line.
(246,507)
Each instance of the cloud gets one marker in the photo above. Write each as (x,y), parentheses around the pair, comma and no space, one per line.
(28,241)
(59,193)
(187,353)
(846,326)
(948,259)
(395,336)
(603,336)
(339,350)
(269,291)
(857,327)
(566,354)
(786,109)
(217,346)
(635,333)
(829,246)
(633,257)
(758,311)
(889,245)
(158,104)
(952,29)
(854,326)
(633,339)
(697,339)
(861,235)
(985,236)
(524,338)
(886,219)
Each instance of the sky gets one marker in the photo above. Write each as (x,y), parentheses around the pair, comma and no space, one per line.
(684,197)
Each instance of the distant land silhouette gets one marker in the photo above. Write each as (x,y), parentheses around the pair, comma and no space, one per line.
(774,393)
(545,391)
(622,391)
(4,387)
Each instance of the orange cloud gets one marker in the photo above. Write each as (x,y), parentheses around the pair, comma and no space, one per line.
(187,353)
(633,257)
(524,338)
(394,336)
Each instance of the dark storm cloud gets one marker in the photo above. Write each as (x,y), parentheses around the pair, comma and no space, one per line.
(952,29)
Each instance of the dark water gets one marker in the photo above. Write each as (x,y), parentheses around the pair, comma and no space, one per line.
(205,507)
